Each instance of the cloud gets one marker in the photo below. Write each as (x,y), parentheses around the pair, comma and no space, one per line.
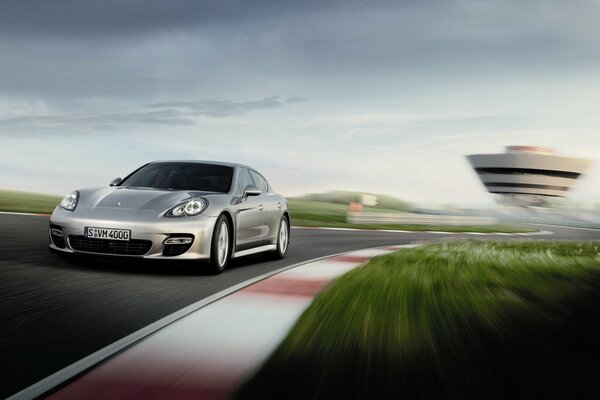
(41,123)
(296,100)
(224,108)
(176,113)
(117,17)
(143,51)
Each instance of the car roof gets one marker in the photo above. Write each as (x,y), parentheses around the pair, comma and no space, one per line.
(222,163)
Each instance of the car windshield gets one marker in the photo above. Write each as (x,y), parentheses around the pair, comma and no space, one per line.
(182,176)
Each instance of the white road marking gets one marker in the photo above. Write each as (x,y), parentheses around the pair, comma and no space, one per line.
(20,213)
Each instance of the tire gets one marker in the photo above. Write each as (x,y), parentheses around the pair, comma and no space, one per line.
(283,240)
(220,249)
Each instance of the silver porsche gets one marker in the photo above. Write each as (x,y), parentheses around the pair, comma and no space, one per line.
(196,210)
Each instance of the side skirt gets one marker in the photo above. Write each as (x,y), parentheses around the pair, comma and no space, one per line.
(255,250)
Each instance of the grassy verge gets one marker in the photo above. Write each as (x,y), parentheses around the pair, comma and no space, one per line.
(27,202)
(454,320)
(333,215)
(342,197)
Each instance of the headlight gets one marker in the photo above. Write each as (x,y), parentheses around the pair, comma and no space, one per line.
(189,208)
(70,201)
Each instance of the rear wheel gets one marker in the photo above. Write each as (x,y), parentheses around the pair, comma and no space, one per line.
(283,239)
(220,251)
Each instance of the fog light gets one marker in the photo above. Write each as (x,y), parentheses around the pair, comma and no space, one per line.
(178,240)
(56,232)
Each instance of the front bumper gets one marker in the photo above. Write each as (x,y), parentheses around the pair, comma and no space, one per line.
(146,228)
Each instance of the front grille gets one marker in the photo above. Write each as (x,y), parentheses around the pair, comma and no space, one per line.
(171,250)
(132,247)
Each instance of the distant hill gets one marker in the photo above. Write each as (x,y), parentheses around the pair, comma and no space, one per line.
(344,197)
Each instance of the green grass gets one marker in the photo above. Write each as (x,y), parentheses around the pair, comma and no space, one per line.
(333,215)
(322,211)
(457,320)
(27,202)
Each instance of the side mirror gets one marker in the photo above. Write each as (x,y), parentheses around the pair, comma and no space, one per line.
(115,182)
(251,190)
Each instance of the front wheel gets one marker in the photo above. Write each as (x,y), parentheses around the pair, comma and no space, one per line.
(283,239)
(220,251)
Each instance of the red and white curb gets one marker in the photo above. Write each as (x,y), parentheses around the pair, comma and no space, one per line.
(207,350)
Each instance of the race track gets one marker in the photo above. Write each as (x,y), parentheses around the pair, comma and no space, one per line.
(54,311)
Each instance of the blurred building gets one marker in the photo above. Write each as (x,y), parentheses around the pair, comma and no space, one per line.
(527,175)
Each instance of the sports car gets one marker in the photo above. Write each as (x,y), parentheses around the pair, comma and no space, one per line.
(195,210)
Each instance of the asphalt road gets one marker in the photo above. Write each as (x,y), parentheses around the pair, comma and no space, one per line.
(54,311)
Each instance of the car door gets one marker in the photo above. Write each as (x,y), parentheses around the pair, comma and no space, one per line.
(272,209)
(249,214)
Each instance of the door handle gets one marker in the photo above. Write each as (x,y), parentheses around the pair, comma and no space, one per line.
(279,205)
(260,208)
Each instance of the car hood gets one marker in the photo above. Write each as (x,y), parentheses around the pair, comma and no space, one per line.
(127,198)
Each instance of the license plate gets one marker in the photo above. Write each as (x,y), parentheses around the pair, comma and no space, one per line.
(107,233)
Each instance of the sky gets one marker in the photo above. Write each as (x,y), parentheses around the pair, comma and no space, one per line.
(378,96)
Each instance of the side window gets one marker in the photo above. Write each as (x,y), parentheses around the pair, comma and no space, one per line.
(243,180)
(259,181)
